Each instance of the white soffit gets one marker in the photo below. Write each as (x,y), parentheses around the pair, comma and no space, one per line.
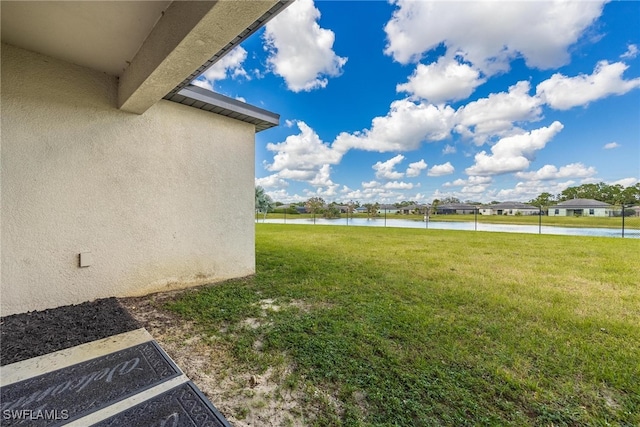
(154,47)
(101,35)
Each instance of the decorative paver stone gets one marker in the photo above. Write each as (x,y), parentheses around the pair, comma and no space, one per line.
(60,396)
(181,406)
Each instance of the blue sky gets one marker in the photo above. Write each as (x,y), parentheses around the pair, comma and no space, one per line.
(419,100)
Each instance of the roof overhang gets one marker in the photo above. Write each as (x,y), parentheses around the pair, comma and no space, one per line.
(154,47)
(204,99)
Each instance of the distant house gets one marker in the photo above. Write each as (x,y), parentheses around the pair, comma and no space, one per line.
(635,209)
(361,209)
(581,207)
(389,209)
(455,208)
(406,210)
(509,208)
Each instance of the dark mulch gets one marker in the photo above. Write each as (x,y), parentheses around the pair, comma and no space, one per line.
(27,335)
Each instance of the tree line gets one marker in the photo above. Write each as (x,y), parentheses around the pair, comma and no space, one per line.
(616,195)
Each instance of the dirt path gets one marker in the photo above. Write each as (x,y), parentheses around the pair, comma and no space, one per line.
(244,398)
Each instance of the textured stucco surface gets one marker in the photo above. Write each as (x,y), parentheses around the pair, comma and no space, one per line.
(161,200)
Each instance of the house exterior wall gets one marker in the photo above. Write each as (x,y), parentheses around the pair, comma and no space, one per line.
(162,200)
(600,212)
(511,212)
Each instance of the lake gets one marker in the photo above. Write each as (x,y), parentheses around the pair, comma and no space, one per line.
(466,226)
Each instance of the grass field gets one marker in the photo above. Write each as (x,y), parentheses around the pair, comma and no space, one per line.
(430,327)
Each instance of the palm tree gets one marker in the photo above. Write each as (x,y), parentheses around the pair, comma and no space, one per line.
(264,203)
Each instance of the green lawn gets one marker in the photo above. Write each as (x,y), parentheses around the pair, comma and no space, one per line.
(415,327)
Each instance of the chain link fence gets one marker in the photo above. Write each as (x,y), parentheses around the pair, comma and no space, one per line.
(621,222)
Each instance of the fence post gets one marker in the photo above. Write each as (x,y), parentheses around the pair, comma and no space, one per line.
(540,220)
(475,218)
(623,220)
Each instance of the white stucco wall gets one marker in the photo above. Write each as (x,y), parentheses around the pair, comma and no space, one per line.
(161,200)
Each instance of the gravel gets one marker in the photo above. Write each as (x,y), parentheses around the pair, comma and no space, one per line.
(27,335)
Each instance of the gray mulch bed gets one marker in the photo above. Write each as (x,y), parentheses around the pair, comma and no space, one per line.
(27,335)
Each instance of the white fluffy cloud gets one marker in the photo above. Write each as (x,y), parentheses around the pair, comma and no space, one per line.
(562,93)
(230,65)
(272,181)
(302,157)
(299,50)
(489,34)
(444,80)
(404,128)
(386,170)
(611,145)
(513,153)
(527,190)
(626,182)
(398,185)
(304,151)
(496,114)
(471,187)
(323,178)
(441,170)
(549,172)
(415,168)
(472,180)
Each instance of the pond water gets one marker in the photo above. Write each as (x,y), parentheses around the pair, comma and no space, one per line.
(462,225)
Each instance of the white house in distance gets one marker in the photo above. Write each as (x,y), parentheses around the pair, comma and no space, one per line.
(119,178)
(509,208)
(581,207)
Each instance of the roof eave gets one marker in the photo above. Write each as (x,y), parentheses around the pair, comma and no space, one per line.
(204,99)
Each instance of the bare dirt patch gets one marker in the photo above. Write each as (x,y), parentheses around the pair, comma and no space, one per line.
(244,398)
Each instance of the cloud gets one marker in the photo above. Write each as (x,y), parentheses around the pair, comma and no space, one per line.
(550,172)
(611,145)
(496,114)
(404,128)
(513,153)
(415,168)
(626,182)
(449,149)
(386,170)
(299,50)
(230,65)
(205,84)
(397,185)
(562,93)
(444,80)
(632,52)
(441,170)
(304,151)
(271,181)
(472,180)
(490,34)
(528,190)
(303,157)
(323,178)
(470,187)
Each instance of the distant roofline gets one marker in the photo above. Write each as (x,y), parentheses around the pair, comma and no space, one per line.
(581,203)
